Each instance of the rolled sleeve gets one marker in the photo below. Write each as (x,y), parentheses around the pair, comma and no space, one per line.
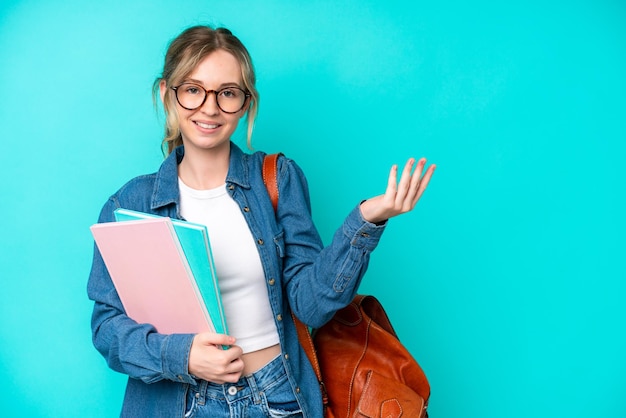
(175,357)
(361,233)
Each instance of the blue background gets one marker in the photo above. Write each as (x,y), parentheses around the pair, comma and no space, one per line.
(506,283)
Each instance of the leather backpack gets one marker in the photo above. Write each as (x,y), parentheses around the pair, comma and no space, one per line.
(367,372)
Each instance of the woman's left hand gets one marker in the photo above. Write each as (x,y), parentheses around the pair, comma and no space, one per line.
(399,197)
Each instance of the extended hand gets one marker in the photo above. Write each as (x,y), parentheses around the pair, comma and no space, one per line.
(399,197)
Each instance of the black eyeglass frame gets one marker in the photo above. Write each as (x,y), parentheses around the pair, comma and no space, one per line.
(206,94)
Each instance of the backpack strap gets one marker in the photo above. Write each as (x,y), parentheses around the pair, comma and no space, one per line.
(270,178)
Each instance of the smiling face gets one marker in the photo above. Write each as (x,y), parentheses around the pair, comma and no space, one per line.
(208,127)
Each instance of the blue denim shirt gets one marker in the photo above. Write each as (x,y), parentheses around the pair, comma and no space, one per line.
(301,276)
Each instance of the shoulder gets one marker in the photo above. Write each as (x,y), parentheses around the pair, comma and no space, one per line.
(283,162)
(286,167)
(137,186)
(155,190)
(135,194)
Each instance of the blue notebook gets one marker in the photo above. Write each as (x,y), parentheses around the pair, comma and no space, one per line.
(194,239)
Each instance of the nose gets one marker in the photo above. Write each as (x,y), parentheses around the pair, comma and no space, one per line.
(210,106)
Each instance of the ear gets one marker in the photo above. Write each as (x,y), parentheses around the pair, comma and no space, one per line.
(245,108)
(162,89)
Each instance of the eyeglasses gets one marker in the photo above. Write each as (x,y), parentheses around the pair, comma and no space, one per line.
(229,99)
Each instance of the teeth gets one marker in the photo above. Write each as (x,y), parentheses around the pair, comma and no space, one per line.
(206,125)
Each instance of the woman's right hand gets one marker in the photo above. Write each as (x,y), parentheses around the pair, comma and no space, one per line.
(208,361)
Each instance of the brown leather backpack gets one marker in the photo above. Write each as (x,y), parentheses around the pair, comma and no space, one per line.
(363,369)
(367,372)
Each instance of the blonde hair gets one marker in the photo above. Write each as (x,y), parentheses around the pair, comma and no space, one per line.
(184,53)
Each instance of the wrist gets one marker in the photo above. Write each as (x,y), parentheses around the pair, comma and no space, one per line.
(368,216)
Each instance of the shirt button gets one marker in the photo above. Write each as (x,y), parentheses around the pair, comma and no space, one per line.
(231,187)
(298,389)
(286,356)
(365,235)
(272,281)
(232,391)
(279,317)
(246,209)
(260,241)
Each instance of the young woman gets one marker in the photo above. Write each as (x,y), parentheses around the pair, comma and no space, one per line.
(269,264)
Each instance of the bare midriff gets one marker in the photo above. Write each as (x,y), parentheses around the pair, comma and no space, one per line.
(255,360)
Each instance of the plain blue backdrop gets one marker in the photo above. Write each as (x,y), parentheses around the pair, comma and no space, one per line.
(507,283)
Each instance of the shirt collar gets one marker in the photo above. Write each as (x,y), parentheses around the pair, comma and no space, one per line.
(166,185)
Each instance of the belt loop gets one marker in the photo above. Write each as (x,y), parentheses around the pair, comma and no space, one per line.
(254,389)
(202,389)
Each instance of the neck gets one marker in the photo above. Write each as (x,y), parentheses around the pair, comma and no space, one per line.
(204,169)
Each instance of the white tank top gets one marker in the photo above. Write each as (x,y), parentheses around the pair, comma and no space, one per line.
(237,264)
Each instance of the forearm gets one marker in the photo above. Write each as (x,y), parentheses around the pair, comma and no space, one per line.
(138,350)
(331,278)
(128,347)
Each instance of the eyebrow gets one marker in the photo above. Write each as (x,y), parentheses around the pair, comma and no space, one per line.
(229,84)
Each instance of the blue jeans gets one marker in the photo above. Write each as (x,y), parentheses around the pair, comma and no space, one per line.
(264,393)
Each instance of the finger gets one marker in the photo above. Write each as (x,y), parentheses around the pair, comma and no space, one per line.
(235,366)
(424,182)
(211,338)
(392,182)
(405,181)
(235,352)
(416,178)
(231,378)
(228,375)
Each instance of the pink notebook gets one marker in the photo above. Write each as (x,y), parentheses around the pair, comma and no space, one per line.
(151,275)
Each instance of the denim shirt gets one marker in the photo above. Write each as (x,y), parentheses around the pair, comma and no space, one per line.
(301,275)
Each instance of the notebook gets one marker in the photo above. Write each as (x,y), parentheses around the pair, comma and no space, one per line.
(152,276)
(194,240)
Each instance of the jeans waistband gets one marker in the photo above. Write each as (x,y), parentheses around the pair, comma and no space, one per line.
(251,385)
